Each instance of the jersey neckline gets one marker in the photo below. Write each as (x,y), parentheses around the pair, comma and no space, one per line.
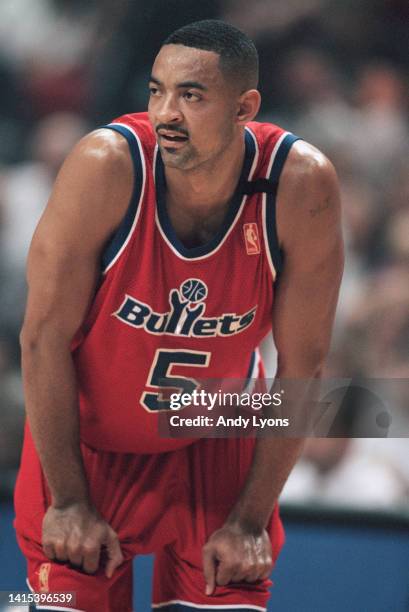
(231,217)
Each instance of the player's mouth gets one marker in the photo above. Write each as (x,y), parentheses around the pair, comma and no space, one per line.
(170,139)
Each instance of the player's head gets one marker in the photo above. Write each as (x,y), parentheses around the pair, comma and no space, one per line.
(203,89)
(238,57)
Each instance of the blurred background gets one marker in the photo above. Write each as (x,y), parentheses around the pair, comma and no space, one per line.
(336,73)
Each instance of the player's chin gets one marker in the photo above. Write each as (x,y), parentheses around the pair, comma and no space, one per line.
(174,158)
(169,150)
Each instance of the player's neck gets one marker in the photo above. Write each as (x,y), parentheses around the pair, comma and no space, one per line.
(209,187)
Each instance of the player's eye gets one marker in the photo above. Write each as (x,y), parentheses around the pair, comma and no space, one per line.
(153,90)
(190,96)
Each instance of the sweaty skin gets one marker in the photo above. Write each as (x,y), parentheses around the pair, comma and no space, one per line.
(89,200)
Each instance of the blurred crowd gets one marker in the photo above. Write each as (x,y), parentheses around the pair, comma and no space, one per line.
(333,72)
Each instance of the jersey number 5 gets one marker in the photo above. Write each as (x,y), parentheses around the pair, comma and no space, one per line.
(161,377)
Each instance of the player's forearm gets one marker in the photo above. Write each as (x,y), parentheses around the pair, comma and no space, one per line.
(272,463)
(274,457)
(52,409)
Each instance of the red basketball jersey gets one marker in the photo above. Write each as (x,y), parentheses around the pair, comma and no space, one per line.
(165,315)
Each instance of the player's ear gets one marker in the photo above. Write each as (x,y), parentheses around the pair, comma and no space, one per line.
(248,106)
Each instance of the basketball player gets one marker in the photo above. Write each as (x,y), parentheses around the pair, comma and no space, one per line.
(156,263)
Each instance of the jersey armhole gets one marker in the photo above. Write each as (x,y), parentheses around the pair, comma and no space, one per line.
(275,166)
(121,237)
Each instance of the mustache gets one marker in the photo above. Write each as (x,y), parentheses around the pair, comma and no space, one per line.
(171,128)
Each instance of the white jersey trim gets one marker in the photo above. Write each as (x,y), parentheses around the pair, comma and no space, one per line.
(190,604)
(254,373)
(264,205)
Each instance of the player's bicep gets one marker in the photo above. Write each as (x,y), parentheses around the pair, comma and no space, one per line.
(308,288)
(88,201)
(60,286)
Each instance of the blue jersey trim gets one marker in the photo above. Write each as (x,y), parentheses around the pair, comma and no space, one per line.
(250,371)
(274,177)
(251,366)
(119,238)
(165,223)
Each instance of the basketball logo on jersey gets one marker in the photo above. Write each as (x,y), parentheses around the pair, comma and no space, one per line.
(187,305)
(193,290)
(251,238)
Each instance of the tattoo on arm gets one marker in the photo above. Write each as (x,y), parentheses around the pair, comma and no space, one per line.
(320,208)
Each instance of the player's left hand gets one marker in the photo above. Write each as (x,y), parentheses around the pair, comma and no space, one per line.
(235,554)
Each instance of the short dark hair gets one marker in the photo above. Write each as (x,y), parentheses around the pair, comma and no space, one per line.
(238,54)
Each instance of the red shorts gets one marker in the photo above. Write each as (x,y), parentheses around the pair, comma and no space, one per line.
(168,504)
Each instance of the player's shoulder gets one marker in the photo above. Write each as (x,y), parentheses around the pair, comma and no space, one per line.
(303,159)
(305,163)
(305,171)
(109,149)
(100,156)
(308,167)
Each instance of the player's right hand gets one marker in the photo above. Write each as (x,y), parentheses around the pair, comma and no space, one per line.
(77,534)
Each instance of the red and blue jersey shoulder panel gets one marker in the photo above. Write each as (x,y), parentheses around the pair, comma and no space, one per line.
(274,145)
(139,125)
(137,131)
(267,135)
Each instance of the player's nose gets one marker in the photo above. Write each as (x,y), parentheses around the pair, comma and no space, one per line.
(168,111)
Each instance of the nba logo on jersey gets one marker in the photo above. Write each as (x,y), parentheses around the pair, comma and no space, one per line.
(251,238)
(43,574)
